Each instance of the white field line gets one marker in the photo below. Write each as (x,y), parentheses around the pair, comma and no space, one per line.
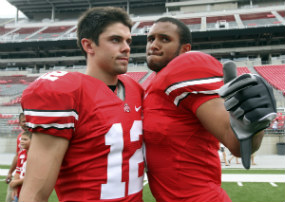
(239,184)
(253,178)
(273,184)
(270,178)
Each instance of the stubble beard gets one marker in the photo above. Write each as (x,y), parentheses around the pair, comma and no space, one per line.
(157,66)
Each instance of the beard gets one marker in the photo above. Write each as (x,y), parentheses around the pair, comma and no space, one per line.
(157,65)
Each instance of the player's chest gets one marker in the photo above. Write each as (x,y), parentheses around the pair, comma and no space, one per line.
(100,110)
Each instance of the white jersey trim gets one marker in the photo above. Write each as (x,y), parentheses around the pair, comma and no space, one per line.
(192,83)
(51,125)
(183,95)
(51,113)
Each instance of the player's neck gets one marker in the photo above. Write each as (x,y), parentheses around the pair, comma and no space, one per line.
(97,73)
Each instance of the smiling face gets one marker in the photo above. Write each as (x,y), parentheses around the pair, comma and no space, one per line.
(25,141)
(162,45)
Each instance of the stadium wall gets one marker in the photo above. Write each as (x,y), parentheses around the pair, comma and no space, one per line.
(209,7)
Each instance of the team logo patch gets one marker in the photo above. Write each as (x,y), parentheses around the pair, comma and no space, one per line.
(127,108)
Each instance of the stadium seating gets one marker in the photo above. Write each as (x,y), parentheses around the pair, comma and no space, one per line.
(12,90)
(51,32)
(14,101)
(193,23)
(137,76)
(4,30)
(146,83)
(258,19)
(24,33)
(9,124)
(16,79)
(13,86)
(242,70)
(217,22)
(274,74)
(281,13)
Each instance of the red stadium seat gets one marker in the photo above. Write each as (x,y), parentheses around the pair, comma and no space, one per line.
(146,83)
(242,70)
(137,76)
(274,74)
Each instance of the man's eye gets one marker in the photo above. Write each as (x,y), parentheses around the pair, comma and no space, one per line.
(150,39)
(129,42)
(165,39)
(115,40)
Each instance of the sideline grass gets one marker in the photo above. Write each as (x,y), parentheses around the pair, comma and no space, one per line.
(249,192)
(255,192)
(252,171)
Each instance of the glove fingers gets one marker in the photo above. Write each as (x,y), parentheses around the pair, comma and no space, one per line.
(247,106)
(269,91)
(237,84)
(251,97)
(254,103)
(242,95)
(259,114)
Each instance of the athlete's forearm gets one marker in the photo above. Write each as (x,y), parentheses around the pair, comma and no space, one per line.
(43,165)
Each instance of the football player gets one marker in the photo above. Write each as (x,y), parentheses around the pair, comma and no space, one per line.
(22,122)
(87,133)
(185,118)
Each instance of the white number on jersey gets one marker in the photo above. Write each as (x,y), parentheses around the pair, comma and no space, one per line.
(52,76)
(115,188)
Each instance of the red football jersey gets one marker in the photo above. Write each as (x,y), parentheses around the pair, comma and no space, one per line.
(104,161)
(22,157)
(20,169)
(182,156)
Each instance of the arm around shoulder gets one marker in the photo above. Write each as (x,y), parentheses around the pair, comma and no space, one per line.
(44,160)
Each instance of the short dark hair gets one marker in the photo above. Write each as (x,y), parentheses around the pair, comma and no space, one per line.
(183,31)
(28,133)
(20,115)
(94,21)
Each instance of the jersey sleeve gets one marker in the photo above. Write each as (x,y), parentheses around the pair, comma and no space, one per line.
(49,104)
(192,79)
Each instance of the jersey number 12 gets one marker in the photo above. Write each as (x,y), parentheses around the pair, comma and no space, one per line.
(115,188)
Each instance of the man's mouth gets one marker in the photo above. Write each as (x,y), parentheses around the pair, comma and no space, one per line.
(123,58)
(154,54)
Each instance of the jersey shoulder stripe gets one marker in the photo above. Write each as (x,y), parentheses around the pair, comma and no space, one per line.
(189,83)
(51,113)
(190,73)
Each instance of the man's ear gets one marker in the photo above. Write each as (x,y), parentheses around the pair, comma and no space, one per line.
(88,46)
(185,48)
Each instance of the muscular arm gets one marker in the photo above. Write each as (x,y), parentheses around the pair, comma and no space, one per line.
(45,157)
(214,117)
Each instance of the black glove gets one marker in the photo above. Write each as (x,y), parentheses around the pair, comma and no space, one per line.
(251,104)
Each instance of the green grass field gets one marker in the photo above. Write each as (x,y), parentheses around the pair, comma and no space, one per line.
(249,192)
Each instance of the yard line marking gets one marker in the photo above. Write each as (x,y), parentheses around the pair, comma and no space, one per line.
(146,182)
(253,178)
(273,184)
(240,184)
